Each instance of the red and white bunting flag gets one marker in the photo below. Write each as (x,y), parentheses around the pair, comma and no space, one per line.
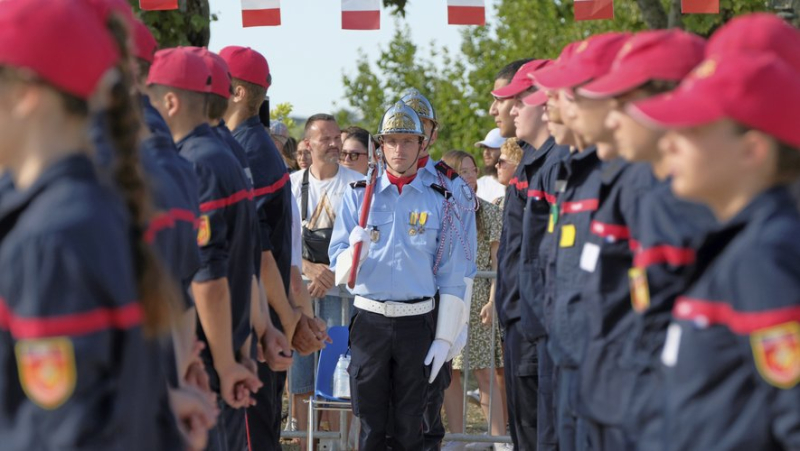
(700,6)
(261,13)
(158,5)
(594,9)
(361,14)
(466,12)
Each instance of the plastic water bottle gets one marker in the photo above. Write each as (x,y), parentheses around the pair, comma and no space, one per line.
(341,380)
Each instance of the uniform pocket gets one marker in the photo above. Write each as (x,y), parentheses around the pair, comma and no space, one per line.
(355,375)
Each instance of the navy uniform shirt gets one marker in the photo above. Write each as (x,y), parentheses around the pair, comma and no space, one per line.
(577,186)
(227,139)
(732,353)
(668,232)
(400,265)
(507,288)
(272,192)
(238,151)
(534,228)
(75,363)
(606,259)
(224,227)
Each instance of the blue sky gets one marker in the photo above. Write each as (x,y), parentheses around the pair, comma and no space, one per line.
(309,53)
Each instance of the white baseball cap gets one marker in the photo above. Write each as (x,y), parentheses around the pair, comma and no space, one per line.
(493,139)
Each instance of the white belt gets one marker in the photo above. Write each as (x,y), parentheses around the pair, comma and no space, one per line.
(394,309)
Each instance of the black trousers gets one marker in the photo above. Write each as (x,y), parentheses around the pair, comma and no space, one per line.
(264,419)
(432,425)
(521,362)
(388,378)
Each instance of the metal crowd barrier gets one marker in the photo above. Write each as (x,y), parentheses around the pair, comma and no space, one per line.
(341,436)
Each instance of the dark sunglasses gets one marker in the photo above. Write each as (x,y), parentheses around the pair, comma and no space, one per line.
(352,156)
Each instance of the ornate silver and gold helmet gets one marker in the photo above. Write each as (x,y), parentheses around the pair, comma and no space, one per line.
(400,119)
(420,104)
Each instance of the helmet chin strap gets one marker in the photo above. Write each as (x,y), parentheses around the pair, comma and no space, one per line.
(403,173)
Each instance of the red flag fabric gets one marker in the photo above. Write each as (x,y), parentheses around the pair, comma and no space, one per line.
(700,6)
(594,9)
(466,12)
(158,5)
(261,13)
(361,15)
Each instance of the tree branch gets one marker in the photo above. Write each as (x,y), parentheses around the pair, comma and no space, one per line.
(675,16)
(653,13)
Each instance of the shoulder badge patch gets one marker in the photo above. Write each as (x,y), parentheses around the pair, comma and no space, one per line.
(46,370)
(358,184)
(640,289)
(442,190)
(446,170)
(203,230)
(777,354)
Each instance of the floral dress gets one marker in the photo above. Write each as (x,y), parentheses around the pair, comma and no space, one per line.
(479,342)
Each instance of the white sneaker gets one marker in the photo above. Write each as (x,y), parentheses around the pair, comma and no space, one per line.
(503,447)
(454,446)
(474,396)
(483,446)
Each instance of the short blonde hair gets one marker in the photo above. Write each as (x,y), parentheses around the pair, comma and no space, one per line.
(512,151)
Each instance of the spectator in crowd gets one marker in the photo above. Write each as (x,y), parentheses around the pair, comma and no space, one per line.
(510,156)
(290,154)
(303,155)
(280,136)
(484,349)
(489,188)
(354,149)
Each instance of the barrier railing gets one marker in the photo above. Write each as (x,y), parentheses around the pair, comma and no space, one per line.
(341,436)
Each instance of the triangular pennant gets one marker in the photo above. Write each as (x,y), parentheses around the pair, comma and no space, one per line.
(361,15)
(158,5)
(466,12)
(594,9)
(261,13)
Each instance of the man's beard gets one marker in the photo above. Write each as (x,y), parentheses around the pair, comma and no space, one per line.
(490,171)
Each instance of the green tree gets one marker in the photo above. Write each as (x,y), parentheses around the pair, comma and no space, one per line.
(187,25)
(459,84)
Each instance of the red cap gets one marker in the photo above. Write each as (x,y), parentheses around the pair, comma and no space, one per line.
(521,82)
(247,64)
(590,59)
(651,55)
(220,77)
(760,32)
(146,44)
(759,91)
(61,41)
(180,68)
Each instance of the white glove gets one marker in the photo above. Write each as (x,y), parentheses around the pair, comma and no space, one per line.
(345,259)
(360,234)
(458,345)
(436,357)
